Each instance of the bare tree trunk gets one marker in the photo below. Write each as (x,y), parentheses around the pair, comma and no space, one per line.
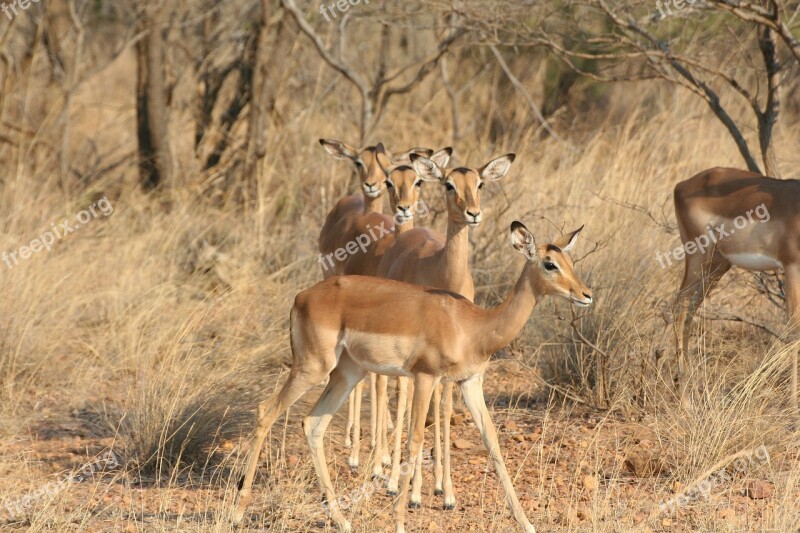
(256,126)
(152,111)
(769,116)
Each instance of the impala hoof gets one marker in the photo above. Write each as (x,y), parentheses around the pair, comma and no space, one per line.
(392,492)
(450,503)
(414,505)
(438,492)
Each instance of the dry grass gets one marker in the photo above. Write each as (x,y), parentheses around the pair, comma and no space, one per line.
(154,331)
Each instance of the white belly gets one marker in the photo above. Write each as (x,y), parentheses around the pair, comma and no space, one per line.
(756,262)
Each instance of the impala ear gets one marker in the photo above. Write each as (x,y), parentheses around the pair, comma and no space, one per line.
(497,168)
(426,169)
(339,150)
(442,157)
(522,240)
(567,241)
(382,158)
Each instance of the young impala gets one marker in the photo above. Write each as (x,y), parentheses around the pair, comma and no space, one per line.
(426,257)
(715,211)
(429,335)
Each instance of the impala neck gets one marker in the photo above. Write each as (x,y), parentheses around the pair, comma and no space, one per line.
(503,324)
(454,258)
(373,205)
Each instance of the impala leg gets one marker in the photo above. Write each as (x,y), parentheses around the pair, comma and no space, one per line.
(437,441)
(348,428)
(447,399)
(792,273)
(402,398)
(415,500)
(373,410)
(472,389)
(423,389)
(700,275)
(342,380)
(381,403)
(355,451)
(389,421)
(268,412)
(383,408)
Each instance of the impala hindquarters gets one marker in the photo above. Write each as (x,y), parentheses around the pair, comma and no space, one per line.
(729,217)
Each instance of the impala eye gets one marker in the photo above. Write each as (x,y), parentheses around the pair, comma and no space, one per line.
(359,164)
(389,184)
(450,187)
(480,186)
(550,266)
(418,184)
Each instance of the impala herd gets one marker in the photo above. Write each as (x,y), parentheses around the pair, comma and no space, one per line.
(401,304)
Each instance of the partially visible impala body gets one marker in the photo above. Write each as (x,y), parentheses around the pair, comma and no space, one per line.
(750,221)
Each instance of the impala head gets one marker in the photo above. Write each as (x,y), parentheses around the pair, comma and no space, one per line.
(367,167)
(404,184)
(553,270)
(463,185)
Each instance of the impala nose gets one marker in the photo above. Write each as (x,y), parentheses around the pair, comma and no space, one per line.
(473,217)
(371,189)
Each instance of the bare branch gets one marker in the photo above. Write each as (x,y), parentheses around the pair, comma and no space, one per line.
(521,88)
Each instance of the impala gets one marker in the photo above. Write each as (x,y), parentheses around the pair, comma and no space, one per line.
(425,257)
(429,335)
(350,219)
(716,198)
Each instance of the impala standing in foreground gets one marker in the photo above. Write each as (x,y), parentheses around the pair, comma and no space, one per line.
(432,335)
(707,207)
(423,256)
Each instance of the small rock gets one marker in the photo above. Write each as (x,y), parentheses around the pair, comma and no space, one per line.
(433,526)
(677,486)
(590,482)
(727,514)
(644,464)
(666,522)
(462,444)
(510,425)
(519,437)
(292,460)
(759,490)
